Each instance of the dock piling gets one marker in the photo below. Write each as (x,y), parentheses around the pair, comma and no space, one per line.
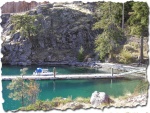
(112,71)
(54,70)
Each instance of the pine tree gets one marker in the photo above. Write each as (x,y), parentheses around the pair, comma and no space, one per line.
(19,90)
(138,23)
(81,54)
(33,90)
(110,22)
(23,90)
(25,24)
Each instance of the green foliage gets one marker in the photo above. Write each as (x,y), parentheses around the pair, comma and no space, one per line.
(24,24)
(23,71)
(32,91)
(55,102)
(47,105)
(39,105)
(142,87)
(108,12)
(134,45)
(23,90)
(100,44)
(109,41)
(81,54)
(109,17)
(82,100)
(125,57)
(127,9)
(59,100)
(138,21)
(112,37)
(19,87)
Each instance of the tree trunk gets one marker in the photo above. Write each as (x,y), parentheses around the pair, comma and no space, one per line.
(22,92)
(22,101)
(141,50)
(123,16)
(110,57)
(110,11)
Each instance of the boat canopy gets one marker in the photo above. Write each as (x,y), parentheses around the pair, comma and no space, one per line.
(39,70)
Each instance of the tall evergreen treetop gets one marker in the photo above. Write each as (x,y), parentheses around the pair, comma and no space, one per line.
(138,21)
(108,13)
(112,37)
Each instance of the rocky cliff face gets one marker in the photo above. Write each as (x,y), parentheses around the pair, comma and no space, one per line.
(64,29)
(21,6)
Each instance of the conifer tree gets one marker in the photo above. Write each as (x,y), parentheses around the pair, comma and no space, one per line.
(23,90)
(138,23)
(112,35)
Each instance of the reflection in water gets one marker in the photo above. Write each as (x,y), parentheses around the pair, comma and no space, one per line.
(110,83)
(54,85)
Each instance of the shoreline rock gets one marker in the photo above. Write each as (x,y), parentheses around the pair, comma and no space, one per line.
(99,98)
(130,101)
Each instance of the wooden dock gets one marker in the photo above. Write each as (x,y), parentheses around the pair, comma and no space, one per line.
(73,76)
(77,76)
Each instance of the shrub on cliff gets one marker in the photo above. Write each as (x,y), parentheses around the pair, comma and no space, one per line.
(25,24)
(81,54)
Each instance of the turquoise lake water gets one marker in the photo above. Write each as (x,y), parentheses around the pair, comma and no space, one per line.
(63,88)
(15,70)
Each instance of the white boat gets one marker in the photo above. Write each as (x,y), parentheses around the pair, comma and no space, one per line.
(42,72)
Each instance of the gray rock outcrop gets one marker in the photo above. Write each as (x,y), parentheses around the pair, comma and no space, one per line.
(64,28)
(98,98)
(21,6)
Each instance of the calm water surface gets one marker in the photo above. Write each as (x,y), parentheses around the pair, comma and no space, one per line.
(15,70)
(64,88)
